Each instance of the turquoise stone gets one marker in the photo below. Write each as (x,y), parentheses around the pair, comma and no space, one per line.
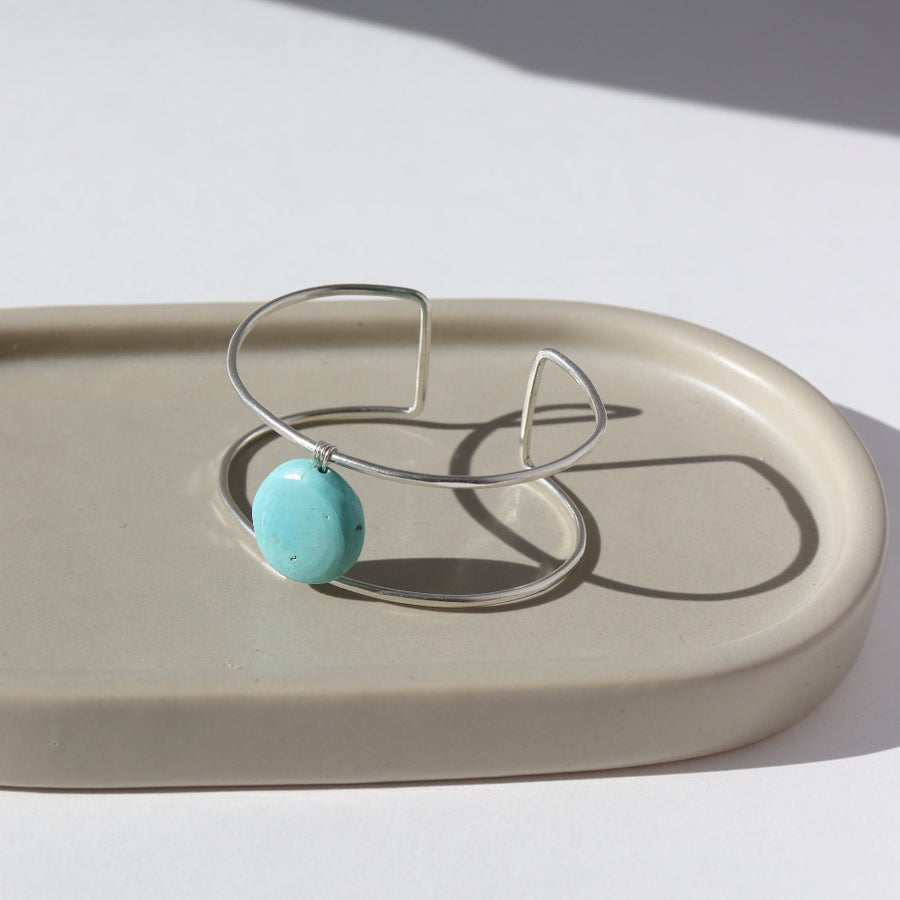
(309,524)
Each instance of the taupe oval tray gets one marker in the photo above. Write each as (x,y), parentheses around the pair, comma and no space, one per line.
(737,535)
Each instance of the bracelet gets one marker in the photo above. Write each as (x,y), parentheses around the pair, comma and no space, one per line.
(308,521)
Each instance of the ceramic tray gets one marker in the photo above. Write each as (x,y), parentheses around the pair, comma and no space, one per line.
(736,540)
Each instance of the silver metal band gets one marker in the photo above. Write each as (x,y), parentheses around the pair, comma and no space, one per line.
(326,454)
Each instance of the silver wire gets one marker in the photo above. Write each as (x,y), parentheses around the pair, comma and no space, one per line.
(325,453)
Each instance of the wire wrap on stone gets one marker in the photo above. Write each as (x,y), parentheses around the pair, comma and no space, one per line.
(322,453)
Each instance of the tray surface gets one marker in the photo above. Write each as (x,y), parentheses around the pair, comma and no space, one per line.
(736,539)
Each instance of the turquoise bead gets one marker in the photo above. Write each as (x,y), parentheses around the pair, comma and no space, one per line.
(309,524)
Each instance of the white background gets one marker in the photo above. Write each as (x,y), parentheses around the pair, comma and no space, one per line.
(237,149)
